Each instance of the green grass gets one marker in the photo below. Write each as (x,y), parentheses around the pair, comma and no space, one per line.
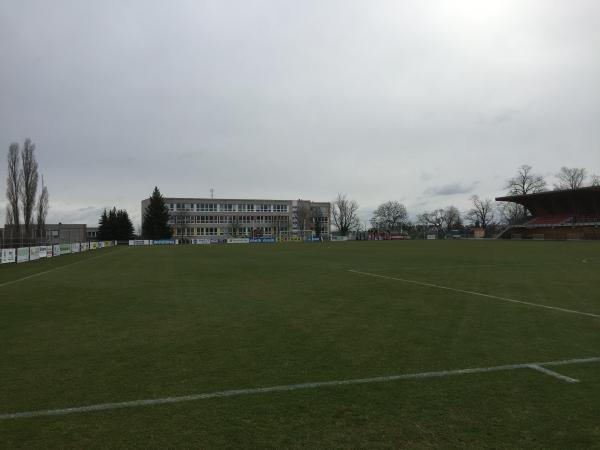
(153,322)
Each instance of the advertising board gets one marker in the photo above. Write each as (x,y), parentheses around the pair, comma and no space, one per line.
(313,239)
(238,240)
(164,242)
(65,249)
(262,240)
(339,238)
(201,241)
(22,254)
(139,242)
(9,255)
(75,247)
(34,253)
(43,252)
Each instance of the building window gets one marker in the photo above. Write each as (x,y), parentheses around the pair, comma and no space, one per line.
(208,207)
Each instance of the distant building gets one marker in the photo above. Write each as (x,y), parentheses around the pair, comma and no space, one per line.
(204,217)
(61,233)
(92,233)
(562,214)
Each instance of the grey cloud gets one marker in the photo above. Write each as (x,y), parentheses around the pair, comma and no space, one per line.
(451,189)
(258,99)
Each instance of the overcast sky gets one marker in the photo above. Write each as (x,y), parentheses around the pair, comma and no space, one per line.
(425,102)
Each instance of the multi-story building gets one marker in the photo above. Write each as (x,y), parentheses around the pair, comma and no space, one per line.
(202,217)
(60,233)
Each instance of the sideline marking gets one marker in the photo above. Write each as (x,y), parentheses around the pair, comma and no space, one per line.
(480,294)
(6,283)
(294,387)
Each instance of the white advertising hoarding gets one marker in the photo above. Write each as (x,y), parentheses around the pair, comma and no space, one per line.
(22,254)
(9,255)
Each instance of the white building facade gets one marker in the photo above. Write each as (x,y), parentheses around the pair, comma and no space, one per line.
(193,218)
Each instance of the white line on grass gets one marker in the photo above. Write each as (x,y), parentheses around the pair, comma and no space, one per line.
(6,283)
(480,294)
(552,373)
(294,387)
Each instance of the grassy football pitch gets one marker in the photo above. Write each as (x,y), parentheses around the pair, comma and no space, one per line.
(154,323)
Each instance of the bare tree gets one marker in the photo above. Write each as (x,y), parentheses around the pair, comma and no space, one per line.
(13,183)
(29,182)
(451,218)
(389,216)
(595,180)
(525,182)
(42,210)
(345,214)
(512,213)
(570,178)
(432,219)
(302,214)
(482,213)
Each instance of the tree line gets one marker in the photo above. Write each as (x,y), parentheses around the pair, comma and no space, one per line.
(26,211)
(392,216)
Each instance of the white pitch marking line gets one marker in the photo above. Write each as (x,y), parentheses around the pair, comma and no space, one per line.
(553,374)
(480,294)
(295,387)
(6,283)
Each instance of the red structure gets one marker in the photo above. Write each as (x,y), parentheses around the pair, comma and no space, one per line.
(566,214)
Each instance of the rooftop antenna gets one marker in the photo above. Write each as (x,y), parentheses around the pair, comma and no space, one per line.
(212,193)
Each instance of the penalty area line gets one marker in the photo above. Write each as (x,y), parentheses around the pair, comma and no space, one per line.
(479,294)
(538,366)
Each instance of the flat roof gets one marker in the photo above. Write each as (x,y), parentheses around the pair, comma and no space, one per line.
(549,194)
(197,199)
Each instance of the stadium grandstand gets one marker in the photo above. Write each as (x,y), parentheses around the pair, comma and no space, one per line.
(563,214)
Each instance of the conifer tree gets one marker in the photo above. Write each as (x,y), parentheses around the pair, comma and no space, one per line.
(115,225)
(112,224)
(124,226)
(155,223)
(103,227)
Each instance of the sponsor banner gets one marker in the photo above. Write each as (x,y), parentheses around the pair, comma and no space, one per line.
(100,244)
(22,254)
(85,246)
(49,252)
(9,255)
(34,253)
(339,238)
(290,239)
(262,240)
(43,252)
(431,236)
(65,249)
(75,248)
(313,239)
(93,245)
(238,240)
(56,250)
(165,242)
(201,241)
(140,242)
